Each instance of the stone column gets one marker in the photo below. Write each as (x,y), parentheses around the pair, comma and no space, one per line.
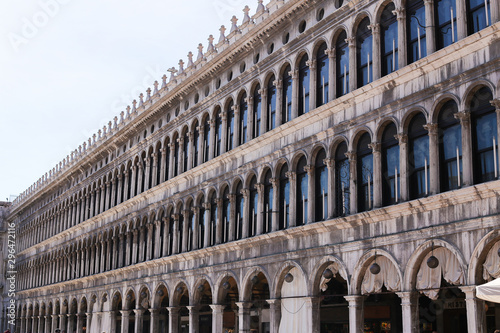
(251,119)
(71,322)
(171,161)
(311,63)
(135,244)
(117,188)
(47,328)
(433,157)
(125,185)
(403,166)
(311,194)
(237,125)
(353,78)
(275,314)
(201,144)
(154,170)
(92,202)
(244,316)
(149,242)
(194,319)
(125,320)
(261,210)
(191,147)
(476,317)
(353,191)
(295,93)
(213,142)
(356,318)
(330,165)
(495,12)
(409,306)
(155,321)
(40,323)
(133,171)
(147,173)
(173,316)
(220,221)
(163,164)
(246,213)
(429,24)
(89,320)
(79,322)
(400,13)
(224,138)
(206,220)
(175,240)
(109,195)
(141,244)
(185,231)
(376,64)
(461,18)
(377,175)
(138,320)
(217,317)
(467,169)
(292,204)
(196,228)
(232,218)
(263,110)
(140,174)
(128,249)
(332,73)
(313,312)
(103,196)
(279,101)
(275,216)
(62,322)
(166,236)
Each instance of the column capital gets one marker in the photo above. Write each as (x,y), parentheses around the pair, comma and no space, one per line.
(400,13)
(329,162)
(496,104)
(260,188)
(278,83)
(311,63)
(469,291)
(375,28)
(275,182)
(354,300)
(351,155)
(309,169)
(375,147)
(217,308)
(273,302)
(290,175)
(431,128)
(330,53)
(312,301)
(463,116)
(138,312)
(408,297)
(294,74)
(245,192)
(351,41)
(173,310)
(243,305)
(207,205)
(401,137)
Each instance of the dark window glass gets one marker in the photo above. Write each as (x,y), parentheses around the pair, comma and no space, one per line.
(271,104)
(206,139)
(201,224)
(478,15)
(284,199)
(321,187)
(342,181)
(254,200)
(389,40)
(226,215)
(243,119)
(286,110)
(301,192)
(450,147)
(418,157)
(390,166)
(364,56)
(240,207)
(322,75)
(176,157)
(365,173)
(342,64)
(196,139)
(185,151)
(257,112)
(415,30)
(304,78)
(180,231)
(445,16)
(213,220)
(218,133)
(268,202)
(230,126)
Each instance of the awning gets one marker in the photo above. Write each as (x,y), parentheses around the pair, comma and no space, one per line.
(489,291)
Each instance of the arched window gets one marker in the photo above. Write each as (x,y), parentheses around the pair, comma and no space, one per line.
(243,119)
(445,16)
(478,15)
(342,64)
(271,104)
(213,220)
(415,30)
(304,77)
(286,109)
(268,202)
(230,126)
(257,112)
(218,133)
(390,166)
(284,199)
(240,208)
(201,223)
(342,180)
(226,215)
(321,186)
(301,192)
(484,136)
(196,139)
(185,151)
(418,157)
(364,56)
(176,156)
(167,159)
(206,139)
(254,200)
(389,40)
(180,231)
(450,147)
(322,75)
(365,173)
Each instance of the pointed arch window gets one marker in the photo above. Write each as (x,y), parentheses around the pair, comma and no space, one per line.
(213,220)
(389,36)
(284,199)
(304,78)
(271,104)
(286,109)
(321,186)
(390,166)
(342,64)
(415,30)
(218,133)
(445,18)
(226,215)
(268,202)
(450,147)
(196,139)
(206,139)
(364,50)
(418,157)
(240,208)
(243,119)
(254,204)
(484,136)
(365,173)
(322,75)
(230,126)
(257,112)
(342,181)
(302,192)
(478,15)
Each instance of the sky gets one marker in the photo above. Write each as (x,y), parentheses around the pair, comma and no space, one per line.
(67,67)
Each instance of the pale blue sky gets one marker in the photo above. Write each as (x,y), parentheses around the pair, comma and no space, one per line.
(67,67)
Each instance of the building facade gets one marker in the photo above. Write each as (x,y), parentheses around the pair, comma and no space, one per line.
(325,166)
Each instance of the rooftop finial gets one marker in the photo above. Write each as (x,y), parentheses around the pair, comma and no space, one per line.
(181,66)
(163,81)
(234,26)
(190,59)
(104,130)
(141,99)
(222,38)
(211,47)
(110,126)
(93,138)
(128,112)
(148,92)
(115,122)
(99,132)
(134,106)
(122,117)
(246,17)
(260,7)
(155,91)
(200,52)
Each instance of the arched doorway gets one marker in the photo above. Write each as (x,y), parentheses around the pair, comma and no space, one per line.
(142,314)
(180,318)
(161,321)
(259,311)
(116,309)
(228,296)
(203,300)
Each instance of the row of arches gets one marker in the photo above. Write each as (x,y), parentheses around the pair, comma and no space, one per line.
(248,297)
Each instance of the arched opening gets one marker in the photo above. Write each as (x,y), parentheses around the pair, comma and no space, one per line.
(267,215)
(257,112)
(243,126)
(182,303)
(253,207)
(271,104)
(239,209)
(389,39)
(302,195)
(143,315)
(206,140)
(284,198)
(226,215)
(162,304)
(200,223)
(415,30)
(185,150)
(229,295)
(196,142)
(230,125)
(259,311)
(365,173)
(364,53)
(450,147)
(304,78)
(342,180)
(334,312)
(342,64)
(286,99)
(322,75)
(418,157)
(128,316)
(212,228)
(218,132)
(321,186)
(445,20)
(390,166)
(204,300)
